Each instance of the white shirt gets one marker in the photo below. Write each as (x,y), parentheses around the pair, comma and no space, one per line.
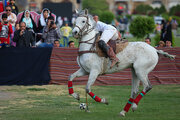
(100,26)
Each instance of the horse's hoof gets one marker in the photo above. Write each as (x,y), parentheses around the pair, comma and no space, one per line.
(122,113)
(103,100)
(134,107)
(76,96)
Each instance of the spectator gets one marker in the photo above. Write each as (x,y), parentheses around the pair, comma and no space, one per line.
(60,21)
(50,33)
(66,32)
(17,26)
(174,26)
(168,44)
(71,44)
(13,7)
(161,44)
(122,28)
(148,40)
(57,44)
(43,19)
(23,37)
(11,17)
(5,31)
(27,18)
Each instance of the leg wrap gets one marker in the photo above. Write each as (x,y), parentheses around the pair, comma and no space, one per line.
(128,105)
(71,91)
(138,98)
(96,98)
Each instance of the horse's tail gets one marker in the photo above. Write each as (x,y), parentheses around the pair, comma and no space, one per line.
(165,54)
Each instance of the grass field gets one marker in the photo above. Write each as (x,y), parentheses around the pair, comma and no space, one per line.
(52,102)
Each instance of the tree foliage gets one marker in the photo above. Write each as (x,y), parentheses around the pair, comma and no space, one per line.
(143,9)
(95,6)
(107,17)
(175,10)
(142,26)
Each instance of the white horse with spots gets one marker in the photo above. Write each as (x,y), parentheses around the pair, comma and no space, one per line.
(139,56)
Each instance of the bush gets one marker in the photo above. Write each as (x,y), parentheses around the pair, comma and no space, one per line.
(107,17)
(142,26)
(157,38)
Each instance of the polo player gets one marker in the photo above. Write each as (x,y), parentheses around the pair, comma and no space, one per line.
(108,32)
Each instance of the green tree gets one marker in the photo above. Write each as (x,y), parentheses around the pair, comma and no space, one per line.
(175,10)
(95,6)
(143,9)
(107,17)
(142,26)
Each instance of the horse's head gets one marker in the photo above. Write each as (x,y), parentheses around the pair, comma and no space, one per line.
(84,23)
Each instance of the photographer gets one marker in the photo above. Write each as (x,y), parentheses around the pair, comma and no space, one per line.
(23,37)
(5,31)
(50,33)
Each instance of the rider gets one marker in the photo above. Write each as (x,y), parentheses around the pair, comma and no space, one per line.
(108,32)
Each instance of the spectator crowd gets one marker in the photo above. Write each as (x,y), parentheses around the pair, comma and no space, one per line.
(30,29)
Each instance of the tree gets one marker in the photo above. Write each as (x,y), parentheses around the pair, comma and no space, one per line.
(143,9)
(142,26)
(107,17)
(95,6)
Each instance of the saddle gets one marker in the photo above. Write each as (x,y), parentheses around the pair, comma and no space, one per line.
(117,45)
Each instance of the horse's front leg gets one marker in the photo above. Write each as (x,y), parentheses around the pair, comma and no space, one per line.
(92,77)
(78,73)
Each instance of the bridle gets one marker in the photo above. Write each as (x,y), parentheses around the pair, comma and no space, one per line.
(83,32)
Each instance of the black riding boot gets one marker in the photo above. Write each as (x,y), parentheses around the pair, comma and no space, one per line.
(109,52)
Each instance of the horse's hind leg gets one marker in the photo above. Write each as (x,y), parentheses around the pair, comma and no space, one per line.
(134,92)
(92,77)
(146,87)
(78,73)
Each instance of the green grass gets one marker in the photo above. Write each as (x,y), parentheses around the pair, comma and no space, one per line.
(52,102)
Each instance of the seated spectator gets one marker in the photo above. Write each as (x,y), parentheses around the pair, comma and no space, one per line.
(50,33)
(5,31)
(66,32)
(71,44)
(148,40)
(168,44)
(57,44)
(23,37)
(161,44)
(17,27)
(27,18)
(43,19)
(13,6)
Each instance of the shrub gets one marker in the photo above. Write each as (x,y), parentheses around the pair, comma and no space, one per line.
(142,26)
(157,39)
(107,17)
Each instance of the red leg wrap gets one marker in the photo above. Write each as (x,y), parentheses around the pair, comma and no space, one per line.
(138,98)
(96,98)
(70,88)
(128,105)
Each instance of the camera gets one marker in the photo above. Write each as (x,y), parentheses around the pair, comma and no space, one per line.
(52,22)
(5,22)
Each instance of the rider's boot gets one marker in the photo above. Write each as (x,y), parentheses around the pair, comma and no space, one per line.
(109,51)
(112,56)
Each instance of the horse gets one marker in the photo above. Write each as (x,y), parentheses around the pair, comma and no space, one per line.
(139,56)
